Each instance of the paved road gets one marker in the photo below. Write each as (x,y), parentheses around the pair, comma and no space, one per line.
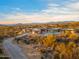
(13,49)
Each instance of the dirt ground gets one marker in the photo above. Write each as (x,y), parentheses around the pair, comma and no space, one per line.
(30,52)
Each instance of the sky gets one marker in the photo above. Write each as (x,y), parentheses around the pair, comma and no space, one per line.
(38,11)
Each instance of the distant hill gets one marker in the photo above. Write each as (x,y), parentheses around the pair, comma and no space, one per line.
(59,22)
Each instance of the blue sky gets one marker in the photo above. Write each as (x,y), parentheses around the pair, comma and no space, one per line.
(25,5)
(29,11)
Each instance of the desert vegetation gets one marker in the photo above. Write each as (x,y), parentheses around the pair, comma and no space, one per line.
(62,46)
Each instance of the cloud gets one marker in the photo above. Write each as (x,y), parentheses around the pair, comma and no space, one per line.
(54,12)
(25,18)
(68,8)
(74,6)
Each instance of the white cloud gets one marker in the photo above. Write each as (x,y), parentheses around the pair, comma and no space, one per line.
(25,18)
(54,12)
(69,8)
(74,6)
